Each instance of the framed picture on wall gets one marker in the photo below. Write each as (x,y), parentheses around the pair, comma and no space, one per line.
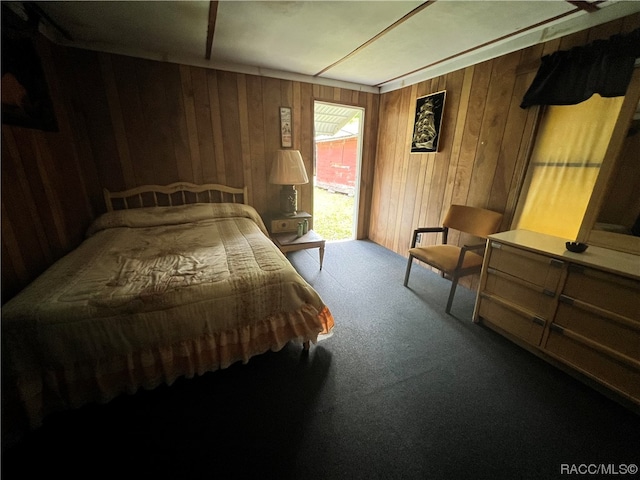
(25,95)
(285,127)
(428,122)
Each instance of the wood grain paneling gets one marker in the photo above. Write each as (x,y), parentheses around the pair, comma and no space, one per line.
(45,202)
(125,122)
(485,143)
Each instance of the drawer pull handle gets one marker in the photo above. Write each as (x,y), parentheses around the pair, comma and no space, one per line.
(565,299)
(549,293)
(538,321)
(556,328)
(496,245)
(556,263)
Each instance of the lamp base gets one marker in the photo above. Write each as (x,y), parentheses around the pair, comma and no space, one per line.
(288,200)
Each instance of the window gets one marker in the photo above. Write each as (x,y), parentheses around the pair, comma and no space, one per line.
(570,146)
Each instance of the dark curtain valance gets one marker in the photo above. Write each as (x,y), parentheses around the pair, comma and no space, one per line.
(572,76)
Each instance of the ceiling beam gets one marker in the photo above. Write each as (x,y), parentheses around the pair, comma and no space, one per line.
(589,7)
(36,14)
(483,45)
(413,12)
(213,15)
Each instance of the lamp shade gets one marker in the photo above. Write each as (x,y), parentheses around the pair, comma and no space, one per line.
(288,169)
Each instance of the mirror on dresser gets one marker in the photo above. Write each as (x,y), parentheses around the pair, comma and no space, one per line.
(612,219)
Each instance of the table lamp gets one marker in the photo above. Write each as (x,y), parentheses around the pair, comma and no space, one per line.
(288,170)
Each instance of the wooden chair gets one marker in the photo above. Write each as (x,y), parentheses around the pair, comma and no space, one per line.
(455,262)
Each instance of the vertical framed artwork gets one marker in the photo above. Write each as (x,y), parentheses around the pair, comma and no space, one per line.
(285,127)
(25,95)
(428,123)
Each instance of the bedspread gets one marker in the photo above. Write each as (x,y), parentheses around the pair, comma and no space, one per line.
(153,294)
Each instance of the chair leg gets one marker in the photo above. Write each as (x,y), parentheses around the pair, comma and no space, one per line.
(406,275)
(454,284)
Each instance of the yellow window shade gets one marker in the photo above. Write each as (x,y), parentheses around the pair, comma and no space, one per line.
(565,162)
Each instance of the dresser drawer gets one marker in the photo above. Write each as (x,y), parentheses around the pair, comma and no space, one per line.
(537,269)
(615,293)
(283,225)
(520,292)
(511,319)
(620,374)
(286,224)
(600,326)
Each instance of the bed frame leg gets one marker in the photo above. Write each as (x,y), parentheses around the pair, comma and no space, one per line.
(305,346)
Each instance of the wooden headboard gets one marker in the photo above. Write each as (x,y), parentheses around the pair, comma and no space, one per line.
(179,193)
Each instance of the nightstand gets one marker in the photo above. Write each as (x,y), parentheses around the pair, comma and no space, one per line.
(290,242)
(284,229)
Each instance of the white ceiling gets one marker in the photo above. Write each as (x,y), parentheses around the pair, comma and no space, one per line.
(368,45)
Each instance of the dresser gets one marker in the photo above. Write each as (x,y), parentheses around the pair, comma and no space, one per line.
(580,311)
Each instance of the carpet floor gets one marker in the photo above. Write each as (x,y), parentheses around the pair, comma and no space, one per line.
(400,391)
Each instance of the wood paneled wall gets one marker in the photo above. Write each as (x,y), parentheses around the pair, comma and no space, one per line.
(150,122)
(126,122)
(45,202)
(483,150)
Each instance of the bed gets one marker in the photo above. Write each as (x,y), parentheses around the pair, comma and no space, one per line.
(172,281)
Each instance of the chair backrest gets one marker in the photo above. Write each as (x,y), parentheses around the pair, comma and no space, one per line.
(476,221)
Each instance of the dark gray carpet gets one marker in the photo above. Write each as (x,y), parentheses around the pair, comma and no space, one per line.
(401,390)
